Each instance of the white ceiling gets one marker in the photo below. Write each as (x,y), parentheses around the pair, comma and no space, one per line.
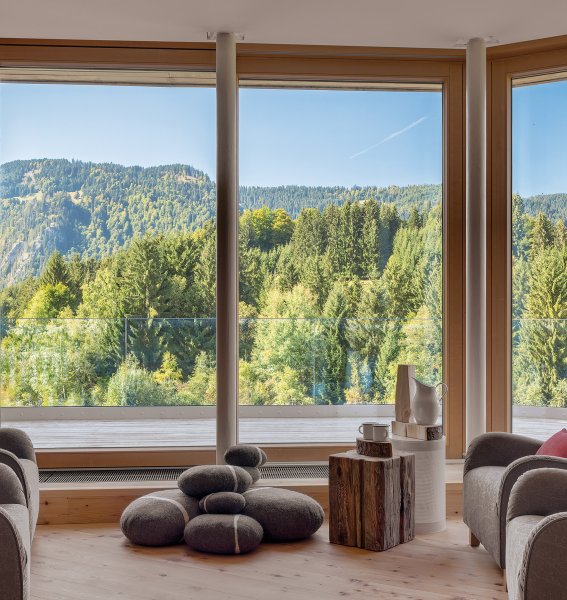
(411,23)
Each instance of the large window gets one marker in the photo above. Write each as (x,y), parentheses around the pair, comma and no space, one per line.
(539,256)
(351,211)
(341,264)
(107,254)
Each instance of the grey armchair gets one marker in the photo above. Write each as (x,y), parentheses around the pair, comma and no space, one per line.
(19,507)
(536,535)
(493,464)
(15,540)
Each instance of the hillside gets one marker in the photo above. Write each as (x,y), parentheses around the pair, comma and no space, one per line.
(553,206)
(95,209)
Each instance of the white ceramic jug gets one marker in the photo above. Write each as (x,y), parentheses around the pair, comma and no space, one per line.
(425,404)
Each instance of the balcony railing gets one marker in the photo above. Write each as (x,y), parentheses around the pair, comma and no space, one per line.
(171,362)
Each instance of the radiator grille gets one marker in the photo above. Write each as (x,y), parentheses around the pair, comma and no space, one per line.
(171,474)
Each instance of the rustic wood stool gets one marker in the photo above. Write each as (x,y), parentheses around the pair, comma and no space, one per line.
(371,500)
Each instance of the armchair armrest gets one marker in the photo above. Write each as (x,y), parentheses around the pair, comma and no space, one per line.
(543,573)
(11,490)
(12,463)
(498,449)
(14,537)
(513,472)
(518,468)
(14,561)
(539,492)
(17,442)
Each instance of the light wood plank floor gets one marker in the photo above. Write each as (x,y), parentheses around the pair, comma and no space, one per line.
(142,433)
(96,563)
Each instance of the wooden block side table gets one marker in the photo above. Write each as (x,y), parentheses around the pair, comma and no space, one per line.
(371,500)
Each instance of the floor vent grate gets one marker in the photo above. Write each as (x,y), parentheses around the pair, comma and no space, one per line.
(170,474)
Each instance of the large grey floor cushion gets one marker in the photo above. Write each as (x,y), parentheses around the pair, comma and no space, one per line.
(159,519)
(285,515)
(208,479)
(493,464)
(19,507)
(225,512)
(224,534)
(536,534)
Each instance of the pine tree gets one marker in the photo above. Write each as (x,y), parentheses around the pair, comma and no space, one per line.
(370,240)
(541,235)
(55,271)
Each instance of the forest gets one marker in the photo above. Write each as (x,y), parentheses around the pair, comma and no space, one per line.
(108,289)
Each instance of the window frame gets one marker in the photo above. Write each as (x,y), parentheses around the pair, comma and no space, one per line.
(535,58)
(318,63)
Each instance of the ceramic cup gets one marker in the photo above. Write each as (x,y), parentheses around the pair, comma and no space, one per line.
(367,430)
(380,432)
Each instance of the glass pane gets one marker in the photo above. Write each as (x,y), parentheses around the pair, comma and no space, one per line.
(340,256)
(539,258)
(107,262)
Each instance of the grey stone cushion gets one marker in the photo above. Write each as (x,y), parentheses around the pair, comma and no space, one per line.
(208,479)
(223,534)
(158,519)
(284,515)
(254,473)
(245,455)
(228,503)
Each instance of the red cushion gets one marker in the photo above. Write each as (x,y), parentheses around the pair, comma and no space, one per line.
(556,445)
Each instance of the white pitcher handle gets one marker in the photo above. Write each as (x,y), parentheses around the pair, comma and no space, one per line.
(444,388)
(360,429)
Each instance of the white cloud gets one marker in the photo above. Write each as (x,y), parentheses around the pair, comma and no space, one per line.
(390,137)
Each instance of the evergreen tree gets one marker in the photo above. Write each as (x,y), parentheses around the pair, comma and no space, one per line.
(541,235)
(370,240)
(55,271)
(544,339)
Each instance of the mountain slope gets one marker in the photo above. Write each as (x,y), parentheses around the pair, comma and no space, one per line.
(96,208)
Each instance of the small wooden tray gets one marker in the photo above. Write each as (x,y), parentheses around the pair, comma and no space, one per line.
(374,449)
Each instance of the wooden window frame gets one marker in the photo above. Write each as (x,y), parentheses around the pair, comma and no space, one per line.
(538,57)
(320,63)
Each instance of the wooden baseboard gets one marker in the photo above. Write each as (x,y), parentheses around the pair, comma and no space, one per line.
(99,458)
(91,503)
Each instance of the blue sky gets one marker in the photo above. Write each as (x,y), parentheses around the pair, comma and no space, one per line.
(308,137)
(539,134)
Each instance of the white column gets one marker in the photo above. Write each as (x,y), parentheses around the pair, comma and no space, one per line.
(476,240)
(227,244)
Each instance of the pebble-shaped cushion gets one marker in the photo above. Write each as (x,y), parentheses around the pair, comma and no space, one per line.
(245,455)
(254,473)
(227,503)
(223,534)
(159,518)
(208,479)
(284,515)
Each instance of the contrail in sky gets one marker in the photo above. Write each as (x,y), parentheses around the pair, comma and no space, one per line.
(390,137)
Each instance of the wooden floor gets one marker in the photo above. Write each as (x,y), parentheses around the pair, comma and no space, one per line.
(96,563)
(143,433)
